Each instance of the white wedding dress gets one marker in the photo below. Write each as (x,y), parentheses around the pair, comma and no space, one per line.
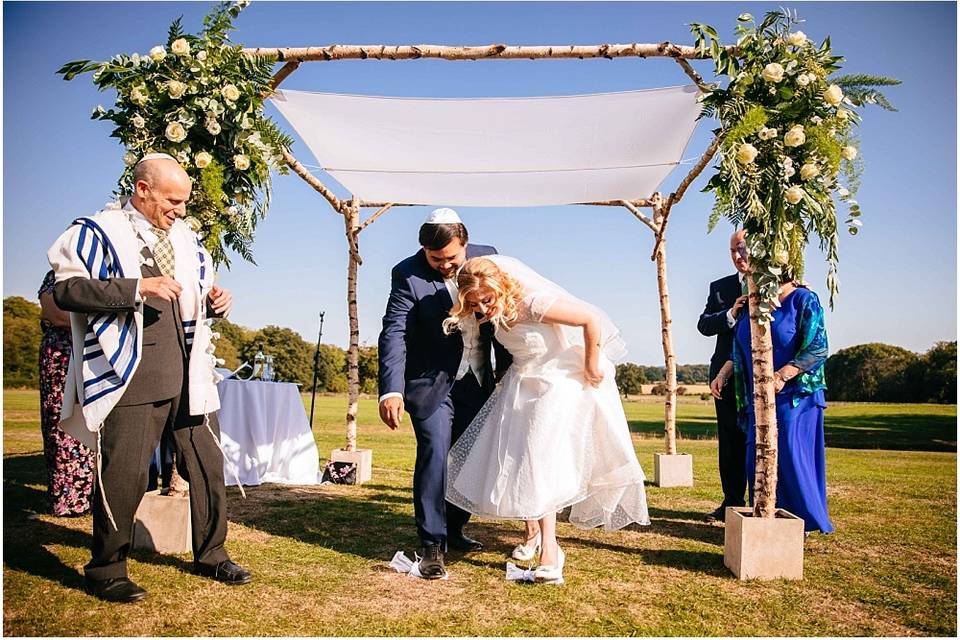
(546,439)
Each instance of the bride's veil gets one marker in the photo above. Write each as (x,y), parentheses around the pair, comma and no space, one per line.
(547,292)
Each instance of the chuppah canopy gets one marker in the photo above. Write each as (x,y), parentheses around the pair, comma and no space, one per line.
(496,151)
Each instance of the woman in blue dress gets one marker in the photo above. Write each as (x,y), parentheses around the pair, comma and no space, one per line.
(799,353)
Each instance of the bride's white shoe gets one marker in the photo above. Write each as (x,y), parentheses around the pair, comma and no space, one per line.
(528,550)
(551,574)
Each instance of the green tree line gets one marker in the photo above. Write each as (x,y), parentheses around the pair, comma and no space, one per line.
(874,372)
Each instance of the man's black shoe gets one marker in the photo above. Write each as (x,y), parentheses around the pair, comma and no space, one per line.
(460,542)
(431,562)
(717,515)
(227,572)
(115,590)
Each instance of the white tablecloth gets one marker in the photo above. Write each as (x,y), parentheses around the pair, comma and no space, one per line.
(265,434)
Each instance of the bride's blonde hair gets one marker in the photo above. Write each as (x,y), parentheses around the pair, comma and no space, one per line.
(478,275)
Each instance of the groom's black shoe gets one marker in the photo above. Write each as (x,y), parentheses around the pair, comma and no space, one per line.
(460,542)
(227,572)
(431,562)
(115,589)
(717,515)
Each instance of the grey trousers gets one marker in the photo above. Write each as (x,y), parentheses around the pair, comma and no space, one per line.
(129,437)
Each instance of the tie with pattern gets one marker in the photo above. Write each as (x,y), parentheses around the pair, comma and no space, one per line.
(163,252)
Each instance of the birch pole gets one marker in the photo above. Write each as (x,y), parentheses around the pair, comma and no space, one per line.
(351,221)
(765,409)
(660,214)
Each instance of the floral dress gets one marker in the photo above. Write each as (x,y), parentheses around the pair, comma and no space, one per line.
(70,465)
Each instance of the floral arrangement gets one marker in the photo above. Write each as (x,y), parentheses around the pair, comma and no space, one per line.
(788,147)
(199,99)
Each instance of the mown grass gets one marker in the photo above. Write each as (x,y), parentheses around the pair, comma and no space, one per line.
(320,553)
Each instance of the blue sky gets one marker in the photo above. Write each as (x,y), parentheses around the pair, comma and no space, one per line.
(898,277)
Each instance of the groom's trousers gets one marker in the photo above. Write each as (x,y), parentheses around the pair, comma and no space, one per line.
(435,435)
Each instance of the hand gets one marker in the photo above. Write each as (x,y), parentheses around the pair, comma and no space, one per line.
(391,412)
(778,382)
(717,385)
(738,305)
(163,287)
(221,300)
(593,375)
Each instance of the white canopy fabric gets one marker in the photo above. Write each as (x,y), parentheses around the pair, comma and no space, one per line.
(496,151)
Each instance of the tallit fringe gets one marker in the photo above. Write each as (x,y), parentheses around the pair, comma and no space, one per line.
(233,468)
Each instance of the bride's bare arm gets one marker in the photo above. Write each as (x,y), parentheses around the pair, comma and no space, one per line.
(577,315)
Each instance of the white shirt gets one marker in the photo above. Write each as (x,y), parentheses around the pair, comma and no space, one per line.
(731,320)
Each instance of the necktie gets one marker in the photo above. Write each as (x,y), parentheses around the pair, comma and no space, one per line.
(163,252)
(743,287)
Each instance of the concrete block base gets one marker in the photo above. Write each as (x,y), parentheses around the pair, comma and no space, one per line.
(673,470)
(763,548)
(363,458)
(162,524)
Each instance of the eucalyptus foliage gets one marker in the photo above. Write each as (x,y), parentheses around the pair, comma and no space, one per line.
(788,153)
(199,99)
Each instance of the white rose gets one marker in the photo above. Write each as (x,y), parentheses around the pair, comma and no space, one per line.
(138,121)
(746,153)
(202,159)
(843,114)
(833,95)
(241,162)
(175,132)
(809,171)
(797,38)
(812,77)
(803,80)
(773,72)
(794,195)
(795,137)
(849,153)
(783,257)
(788,161)
(183,157)
(230,92)
(158,53)
(176,89)
(138,95)
(129,158)
(213,127)
(180,46)
(789,172)
(233,210)
(816,119)
(202,55)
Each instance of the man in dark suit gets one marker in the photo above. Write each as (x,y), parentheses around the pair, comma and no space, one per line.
(724,304)
(440,380)
(156,396)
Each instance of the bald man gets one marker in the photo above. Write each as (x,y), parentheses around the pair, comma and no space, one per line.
(140,285)
(725,303)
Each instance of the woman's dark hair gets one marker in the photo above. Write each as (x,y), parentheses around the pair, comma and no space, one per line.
(436,236)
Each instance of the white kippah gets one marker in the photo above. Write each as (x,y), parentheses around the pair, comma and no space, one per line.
(156,156)
(443,216)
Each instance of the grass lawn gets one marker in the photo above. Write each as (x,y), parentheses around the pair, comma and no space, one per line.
(320,553)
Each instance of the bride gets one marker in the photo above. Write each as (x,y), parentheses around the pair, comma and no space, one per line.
(553,435)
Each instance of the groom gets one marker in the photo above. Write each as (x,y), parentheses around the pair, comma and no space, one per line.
(440,380)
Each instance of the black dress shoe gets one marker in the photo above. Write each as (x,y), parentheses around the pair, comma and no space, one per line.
(431,562)
(227,572)
(115,590)
(460,542)
(717,515)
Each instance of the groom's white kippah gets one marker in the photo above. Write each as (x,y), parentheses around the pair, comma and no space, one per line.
(443,216)
(156,156)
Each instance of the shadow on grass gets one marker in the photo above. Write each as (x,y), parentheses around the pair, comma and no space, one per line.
(26,538)
(900,432)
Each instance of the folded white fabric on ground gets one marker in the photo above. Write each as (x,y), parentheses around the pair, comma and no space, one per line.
(402,564)
(520,575)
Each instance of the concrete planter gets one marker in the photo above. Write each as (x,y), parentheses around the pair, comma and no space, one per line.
(763,548)
(162,524)
(363,458)
(673,470)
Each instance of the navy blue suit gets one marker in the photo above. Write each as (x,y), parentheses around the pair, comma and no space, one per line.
(418,360)
(731,440)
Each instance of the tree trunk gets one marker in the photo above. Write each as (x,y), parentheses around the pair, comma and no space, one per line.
(352,224)
(669,359)
(765,410)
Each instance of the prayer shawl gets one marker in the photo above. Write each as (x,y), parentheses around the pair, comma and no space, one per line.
(107,346)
